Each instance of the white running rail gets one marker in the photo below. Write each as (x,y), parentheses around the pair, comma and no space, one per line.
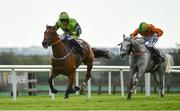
(47,68)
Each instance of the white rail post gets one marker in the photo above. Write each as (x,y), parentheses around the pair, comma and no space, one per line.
(109,83)
(89,88)
(122,82)
(147,84)
(14,84)
(50,93)
(77,81)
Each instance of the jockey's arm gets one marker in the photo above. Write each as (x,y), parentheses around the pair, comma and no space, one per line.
(158,31)
(77,31)
(134,34)
(56,26)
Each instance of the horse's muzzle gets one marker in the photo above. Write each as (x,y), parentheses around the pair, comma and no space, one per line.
(123,55)
(45,44)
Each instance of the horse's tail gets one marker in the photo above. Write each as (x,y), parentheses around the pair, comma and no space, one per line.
(170,63)
(101,53)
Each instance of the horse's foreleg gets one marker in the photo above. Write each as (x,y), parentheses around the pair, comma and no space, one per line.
(53,90)
(70,88)
(88,75)
(132,80)
(129,89)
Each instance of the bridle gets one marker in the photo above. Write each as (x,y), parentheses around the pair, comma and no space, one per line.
(135,53)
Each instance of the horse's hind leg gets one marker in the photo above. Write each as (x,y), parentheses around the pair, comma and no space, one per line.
(159,83)
(88,75)
(162,86)
(53,75)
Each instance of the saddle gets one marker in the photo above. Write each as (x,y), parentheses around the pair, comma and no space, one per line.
(79,45)
(82,43)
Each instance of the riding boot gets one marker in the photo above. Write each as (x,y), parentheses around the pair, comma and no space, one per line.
(158,59)
(78,47)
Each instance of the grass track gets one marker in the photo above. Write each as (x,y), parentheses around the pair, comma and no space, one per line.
(96,102)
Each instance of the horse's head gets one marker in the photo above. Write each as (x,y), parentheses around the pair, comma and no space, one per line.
(125,48)
(50,36)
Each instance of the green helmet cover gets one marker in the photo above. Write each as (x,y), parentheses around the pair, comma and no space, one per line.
(143,27)
(63,15)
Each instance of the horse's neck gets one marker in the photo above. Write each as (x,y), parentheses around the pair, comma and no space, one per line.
(137,46)
(59,49)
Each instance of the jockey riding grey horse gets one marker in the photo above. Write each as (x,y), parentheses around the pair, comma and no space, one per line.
(151,35)
(141,62)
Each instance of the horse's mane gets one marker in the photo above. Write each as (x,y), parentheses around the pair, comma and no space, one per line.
(140,40)
(138,44)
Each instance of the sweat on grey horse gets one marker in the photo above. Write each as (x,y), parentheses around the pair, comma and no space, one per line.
(141,62)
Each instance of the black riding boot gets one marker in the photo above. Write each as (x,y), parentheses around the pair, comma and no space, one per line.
(158,59)
(78,47)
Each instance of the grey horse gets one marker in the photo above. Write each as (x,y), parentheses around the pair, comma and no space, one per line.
(141,62)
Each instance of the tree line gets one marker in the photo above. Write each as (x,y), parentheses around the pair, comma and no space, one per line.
(9,58)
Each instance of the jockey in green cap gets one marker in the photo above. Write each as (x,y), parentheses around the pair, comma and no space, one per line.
(71,28)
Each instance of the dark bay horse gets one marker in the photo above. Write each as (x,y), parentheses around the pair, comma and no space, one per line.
(65,60)
(141,62)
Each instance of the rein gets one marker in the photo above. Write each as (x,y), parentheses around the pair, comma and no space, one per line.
(138,53)
(64,57)
(56,42)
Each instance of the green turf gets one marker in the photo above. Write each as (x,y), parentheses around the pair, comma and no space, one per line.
(96,102)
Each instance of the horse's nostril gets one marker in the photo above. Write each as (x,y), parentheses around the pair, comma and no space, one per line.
(44,44)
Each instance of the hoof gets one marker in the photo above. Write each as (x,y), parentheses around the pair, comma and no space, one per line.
(82,92)
(54,91)
(128,98)
(77,88)
(162,95)
(66,97)
(82,89)
(72,91)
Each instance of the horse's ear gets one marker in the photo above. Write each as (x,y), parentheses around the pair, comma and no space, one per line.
(124,36)
(47,26)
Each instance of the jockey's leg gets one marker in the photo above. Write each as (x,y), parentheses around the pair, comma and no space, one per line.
(158,59)
(157,54)
(78,47)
